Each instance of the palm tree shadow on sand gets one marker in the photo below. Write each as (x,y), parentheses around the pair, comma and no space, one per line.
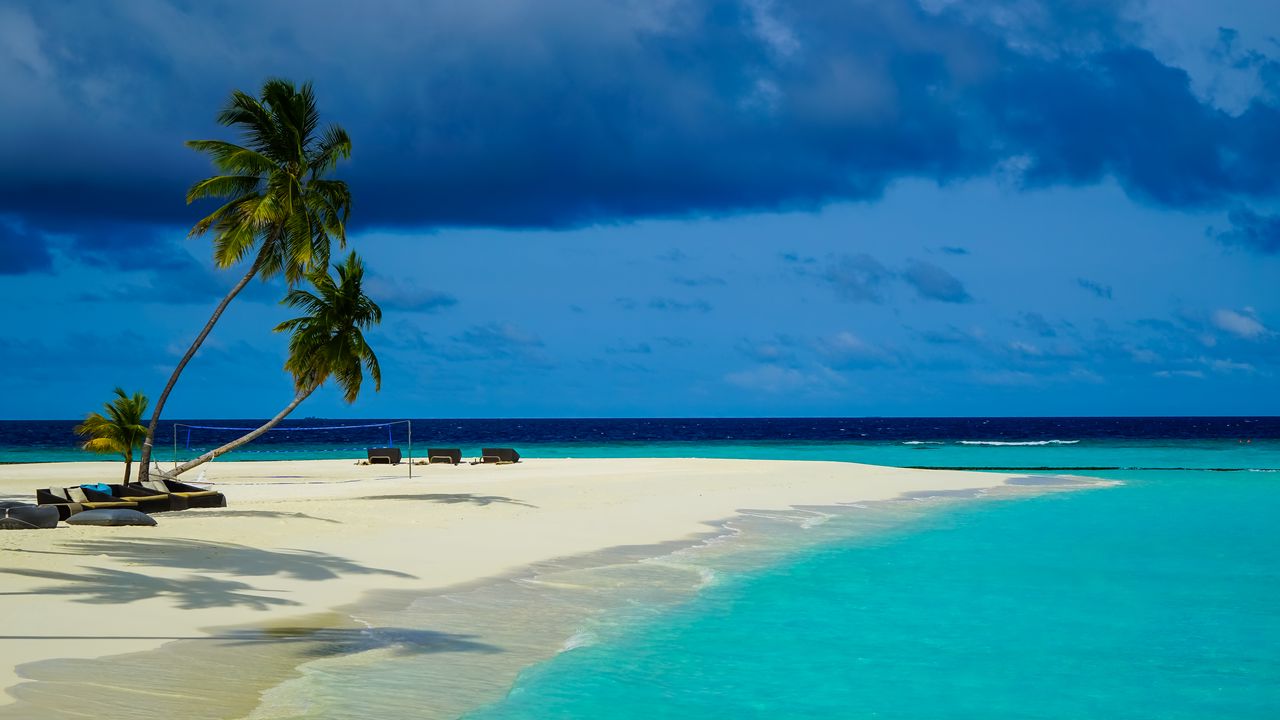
(106,586)
(229,558)
(263,514)
(454,499)
(203,676)
(313,642)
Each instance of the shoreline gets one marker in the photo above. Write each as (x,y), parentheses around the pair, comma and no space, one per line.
(285,547)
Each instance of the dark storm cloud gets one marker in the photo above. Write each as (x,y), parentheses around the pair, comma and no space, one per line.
(702,281)
(1095,287)
(557,113)
(934,283)
(664,304)
(1253,231)
(23,252)
(1036,323)
(857,278)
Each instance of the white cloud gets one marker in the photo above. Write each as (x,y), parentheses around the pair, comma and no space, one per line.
(1228,366)
(777,379)
(1178,373)
(844,350)
(1245,325)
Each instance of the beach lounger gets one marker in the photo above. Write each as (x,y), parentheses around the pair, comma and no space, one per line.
(452,456)
(72,500)
(145,497)
(195,497)
(388,456)
(499,456)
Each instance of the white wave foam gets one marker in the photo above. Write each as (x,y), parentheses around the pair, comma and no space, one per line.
(1019,443)
(814,520)
(582,638)
(923,442)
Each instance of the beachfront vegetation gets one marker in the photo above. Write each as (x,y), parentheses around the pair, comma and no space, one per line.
(280,207)
(327,342)
(118,429)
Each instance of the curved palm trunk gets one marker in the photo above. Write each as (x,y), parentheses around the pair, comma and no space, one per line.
(243,439)
(145,463)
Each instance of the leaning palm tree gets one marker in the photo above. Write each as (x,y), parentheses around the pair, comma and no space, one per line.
(280,208)
(326,342)
(120,430)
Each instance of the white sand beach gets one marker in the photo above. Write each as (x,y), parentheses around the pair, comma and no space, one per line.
(299,538)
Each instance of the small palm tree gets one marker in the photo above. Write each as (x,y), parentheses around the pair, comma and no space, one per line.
(326,342)
(120,430)
(280,208)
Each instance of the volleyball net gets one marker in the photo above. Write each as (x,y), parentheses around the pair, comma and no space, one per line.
(291,441)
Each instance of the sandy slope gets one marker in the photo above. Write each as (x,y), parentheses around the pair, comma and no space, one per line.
(301,537)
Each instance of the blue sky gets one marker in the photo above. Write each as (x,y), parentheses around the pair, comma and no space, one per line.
(673,208)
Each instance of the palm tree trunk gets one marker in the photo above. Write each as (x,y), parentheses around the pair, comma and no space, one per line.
(128,460)
(145,463)
(249,437)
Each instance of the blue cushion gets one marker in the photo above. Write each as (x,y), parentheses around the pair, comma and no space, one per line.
(98,487)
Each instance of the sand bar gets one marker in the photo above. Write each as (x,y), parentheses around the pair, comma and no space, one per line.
(302,537)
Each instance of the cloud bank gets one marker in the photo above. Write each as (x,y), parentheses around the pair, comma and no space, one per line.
(557,112)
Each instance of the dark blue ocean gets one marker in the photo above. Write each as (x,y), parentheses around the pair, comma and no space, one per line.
(1225,443)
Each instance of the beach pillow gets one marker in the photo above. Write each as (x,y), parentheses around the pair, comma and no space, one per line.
(111,517)
(28,517)
(103,488)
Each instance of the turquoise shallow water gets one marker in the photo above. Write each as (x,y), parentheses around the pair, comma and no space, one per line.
(1156,599)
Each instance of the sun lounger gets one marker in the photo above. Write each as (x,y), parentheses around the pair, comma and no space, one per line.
(72,500)
(150,500)
(147,501)
(196,497)
(499,456)
(452,456)
(388,456)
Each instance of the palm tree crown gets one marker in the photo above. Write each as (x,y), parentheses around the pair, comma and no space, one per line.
(329,339)
(277,196)
(120,430)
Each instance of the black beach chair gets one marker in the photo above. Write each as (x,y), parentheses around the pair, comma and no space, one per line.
(72,500)
(452,456)
(159,501)
(499,456)
(387,456)
(195,497)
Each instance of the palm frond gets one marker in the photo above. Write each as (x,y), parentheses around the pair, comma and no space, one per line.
(280,202)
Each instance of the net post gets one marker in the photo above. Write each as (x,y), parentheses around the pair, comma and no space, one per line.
(175,446)
(410,424)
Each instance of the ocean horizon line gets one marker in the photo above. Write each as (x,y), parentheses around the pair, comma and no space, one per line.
(389,418)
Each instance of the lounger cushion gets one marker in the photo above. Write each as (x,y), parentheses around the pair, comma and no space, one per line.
(98,487)
(116,516)
(160,487)
(32,516)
